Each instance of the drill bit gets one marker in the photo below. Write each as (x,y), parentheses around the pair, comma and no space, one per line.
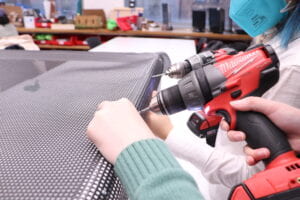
(158,75)
(176,70)
(154,106)
(145,110)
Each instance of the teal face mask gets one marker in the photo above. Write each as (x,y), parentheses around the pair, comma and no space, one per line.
(257,16)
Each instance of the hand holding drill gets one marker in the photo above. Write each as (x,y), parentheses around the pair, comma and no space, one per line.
(287,118)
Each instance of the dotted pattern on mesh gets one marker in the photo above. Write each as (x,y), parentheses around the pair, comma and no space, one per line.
(44,151)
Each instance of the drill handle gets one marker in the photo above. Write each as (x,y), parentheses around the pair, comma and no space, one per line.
(262,132)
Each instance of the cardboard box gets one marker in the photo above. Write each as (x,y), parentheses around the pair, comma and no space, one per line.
(95,12)
(63,26)
(91,21)
(15,15)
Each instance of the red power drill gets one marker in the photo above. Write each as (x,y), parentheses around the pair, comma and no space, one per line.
(212,87)
(204,126)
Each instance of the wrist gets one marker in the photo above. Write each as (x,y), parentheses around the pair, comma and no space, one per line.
(166,131)
(131,139)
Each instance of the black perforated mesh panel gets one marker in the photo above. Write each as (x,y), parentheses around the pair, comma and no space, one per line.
(44,152)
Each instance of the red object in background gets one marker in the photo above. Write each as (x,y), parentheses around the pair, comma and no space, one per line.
(64,41)
(44,42)
(43,23)
(81,40)
(125,23)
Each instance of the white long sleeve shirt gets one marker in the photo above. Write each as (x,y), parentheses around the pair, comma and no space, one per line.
(224,166)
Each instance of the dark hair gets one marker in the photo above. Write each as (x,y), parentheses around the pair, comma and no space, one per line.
(4,20)
(291,27)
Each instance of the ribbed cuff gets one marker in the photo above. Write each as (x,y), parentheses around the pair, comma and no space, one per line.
(141,160)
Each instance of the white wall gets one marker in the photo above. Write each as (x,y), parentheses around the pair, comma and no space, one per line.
(107,5)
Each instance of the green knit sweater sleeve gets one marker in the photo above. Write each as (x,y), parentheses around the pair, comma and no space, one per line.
(148,171)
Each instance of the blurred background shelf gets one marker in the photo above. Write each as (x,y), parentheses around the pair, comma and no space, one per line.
(177,33)
(60,47)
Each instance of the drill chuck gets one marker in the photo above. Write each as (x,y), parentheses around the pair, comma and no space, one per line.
(187,94)
(166,102)
(179,70)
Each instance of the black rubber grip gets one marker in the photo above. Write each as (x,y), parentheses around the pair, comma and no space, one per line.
(261,132)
